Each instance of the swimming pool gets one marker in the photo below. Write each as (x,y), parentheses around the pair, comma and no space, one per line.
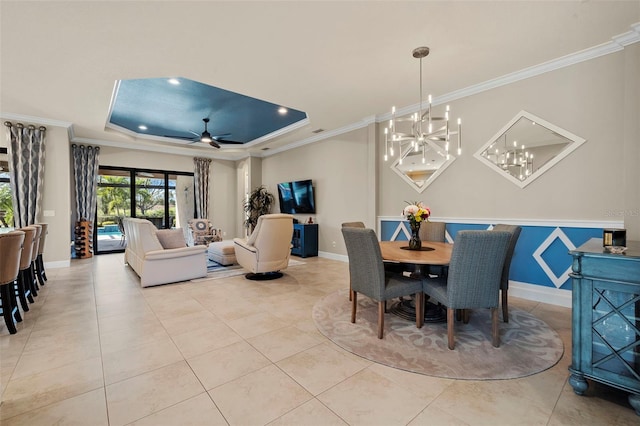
(108,230)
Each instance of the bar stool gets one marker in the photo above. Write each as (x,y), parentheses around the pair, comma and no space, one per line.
(10,250)
(40,272)
(24,276)
(33,282)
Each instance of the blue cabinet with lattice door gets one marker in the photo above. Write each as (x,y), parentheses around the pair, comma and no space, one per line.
(606,318)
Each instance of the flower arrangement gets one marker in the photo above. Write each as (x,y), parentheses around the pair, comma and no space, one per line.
(416,212)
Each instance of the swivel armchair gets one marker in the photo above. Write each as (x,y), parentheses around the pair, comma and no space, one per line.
(267,250)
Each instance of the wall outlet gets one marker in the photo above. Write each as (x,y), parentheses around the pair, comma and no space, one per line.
(224,233)
(333,244)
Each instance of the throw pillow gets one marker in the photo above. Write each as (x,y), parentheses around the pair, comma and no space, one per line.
(171,238)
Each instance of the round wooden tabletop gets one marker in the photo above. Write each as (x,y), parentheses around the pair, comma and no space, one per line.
(440,255)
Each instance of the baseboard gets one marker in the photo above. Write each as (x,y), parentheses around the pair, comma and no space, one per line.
(57,264)
(333,256)
(550,295)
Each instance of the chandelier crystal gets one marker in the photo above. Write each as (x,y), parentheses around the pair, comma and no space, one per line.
(422,131)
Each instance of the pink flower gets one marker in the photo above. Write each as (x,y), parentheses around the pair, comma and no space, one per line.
(416,211)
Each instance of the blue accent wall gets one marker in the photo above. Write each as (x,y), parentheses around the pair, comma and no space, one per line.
(524,266)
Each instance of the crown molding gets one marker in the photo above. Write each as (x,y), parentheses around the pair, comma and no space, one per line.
(145,146)
(616,44)
(35,120)
(324,135)
(298,124)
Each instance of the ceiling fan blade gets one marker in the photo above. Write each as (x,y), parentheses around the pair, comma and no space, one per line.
(214,144)
(187,138)
(229,141)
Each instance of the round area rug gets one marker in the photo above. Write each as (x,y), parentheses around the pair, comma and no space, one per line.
(527,344)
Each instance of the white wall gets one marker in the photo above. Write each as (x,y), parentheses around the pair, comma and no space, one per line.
(339,170)
(587,99)
(631,150)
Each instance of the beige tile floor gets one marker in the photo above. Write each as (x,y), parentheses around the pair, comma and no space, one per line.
(96,349)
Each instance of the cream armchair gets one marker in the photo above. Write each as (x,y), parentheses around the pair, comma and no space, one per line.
(267,250)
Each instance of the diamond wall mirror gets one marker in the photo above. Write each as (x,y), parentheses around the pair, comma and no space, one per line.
(419,169)
(526,148)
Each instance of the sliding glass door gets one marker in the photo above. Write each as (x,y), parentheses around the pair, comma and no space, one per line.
(159,196)
(114,204)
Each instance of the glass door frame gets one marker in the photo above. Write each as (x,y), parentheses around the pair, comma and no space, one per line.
(133,173)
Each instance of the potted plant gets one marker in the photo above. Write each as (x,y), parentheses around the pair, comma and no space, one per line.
(258,203)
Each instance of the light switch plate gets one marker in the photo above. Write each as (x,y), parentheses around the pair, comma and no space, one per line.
(49,213)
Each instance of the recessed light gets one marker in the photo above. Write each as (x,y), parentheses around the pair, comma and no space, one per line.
(142,127)
(174,81)
(282,110)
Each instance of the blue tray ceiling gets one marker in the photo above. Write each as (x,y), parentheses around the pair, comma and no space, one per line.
(175,107)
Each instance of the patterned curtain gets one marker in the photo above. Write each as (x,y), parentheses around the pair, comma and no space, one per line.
(201,178)
(85,169)
(26,170)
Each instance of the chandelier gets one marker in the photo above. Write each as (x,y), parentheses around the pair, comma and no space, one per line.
(421,131)
(515,160)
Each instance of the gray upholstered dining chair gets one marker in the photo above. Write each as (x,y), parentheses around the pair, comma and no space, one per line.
(514,230)
(352,225)
(388,266)
(474,276)
(432,231)
(368,276)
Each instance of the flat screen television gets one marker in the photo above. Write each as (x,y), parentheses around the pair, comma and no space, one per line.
(296,197)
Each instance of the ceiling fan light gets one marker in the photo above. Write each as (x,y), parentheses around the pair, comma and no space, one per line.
(206,137)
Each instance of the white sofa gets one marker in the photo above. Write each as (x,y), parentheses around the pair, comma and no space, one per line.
(155,264)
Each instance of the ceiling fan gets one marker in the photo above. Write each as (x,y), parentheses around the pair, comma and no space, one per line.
(205,136)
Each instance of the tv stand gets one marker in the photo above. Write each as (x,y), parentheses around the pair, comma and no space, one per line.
(305,240)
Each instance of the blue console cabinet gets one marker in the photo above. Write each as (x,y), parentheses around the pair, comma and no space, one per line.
(305,240)
(606,318)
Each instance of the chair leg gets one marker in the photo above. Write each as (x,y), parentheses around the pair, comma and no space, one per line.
(22,291)
(33,282)
(419,309)
(505,308)
(7,308)
(350,293)
(450,325)
(466,313)
(40,270)
(381,305)
(354,303)
(495,332)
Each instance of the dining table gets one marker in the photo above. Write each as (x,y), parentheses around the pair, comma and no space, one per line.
(417,262)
